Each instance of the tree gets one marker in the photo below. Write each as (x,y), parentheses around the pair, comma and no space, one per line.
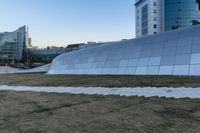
(176,26)
(195,22)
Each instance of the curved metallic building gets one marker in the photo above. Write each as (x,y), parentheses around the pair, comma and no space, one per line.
(171,53)
(13,44)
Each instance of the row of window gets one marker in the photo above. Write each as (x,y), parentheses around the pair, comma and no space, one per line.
(155,11)
(145,19)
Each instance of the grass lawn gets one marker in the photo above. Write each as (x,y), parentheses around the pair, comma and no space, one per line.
(29,112)
(98,81)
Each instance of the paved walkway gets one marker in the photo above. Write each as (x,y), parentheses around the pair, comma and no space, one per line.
(7,69)
(147,91)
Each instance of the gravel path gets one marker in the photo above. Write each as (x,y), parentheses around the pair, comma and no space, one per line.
(147,91)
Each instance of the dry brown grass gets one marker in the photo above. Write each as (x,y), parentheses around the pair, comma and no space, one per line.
(99,81)
(28,112)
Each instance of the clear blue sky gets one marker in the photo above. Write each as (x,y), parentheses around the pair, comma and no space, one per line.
(62,22)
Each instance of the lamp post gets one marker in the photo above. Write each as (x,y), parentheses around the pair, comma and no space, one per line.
(14,50)
(27,57)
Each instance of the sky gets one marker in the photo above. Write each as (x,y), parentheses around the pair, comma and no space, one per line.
(63,22)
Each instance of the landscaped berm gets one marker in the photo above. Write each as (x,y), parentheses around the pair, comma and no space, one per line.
(31,112)
(98,80)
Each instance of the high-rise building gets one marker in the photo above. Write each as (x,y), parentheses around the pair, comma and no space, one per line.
(155,16)
(181,13)
(13,45)
(149,17)
(29,43)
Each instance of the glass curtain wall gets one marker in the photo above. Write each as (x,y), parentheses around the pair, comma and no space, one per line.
(13,45)
(181,13)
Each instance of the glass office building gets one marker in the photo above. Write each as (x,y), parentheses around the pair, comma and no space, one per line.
(181,13)
(13,45)
(165,15)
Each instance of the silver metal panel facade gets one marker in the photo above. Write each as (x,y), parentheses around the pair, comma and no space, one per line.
(171,53)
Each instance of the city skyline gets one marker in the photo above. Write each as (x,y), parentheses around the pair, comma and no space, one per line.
(53,23)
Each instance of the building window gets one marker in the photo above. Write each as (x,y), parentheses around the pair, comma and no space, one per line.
(198,5)
(155,26)
(145,20)
(154,19)
(154,3)
(155,32)
(154,11)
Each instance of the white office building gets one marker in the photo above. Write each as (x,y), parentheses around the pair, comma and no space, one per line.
(149,18)
(155,16)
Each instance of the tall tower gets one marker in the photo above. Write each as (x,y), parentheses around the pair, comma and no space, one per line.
(181,13)
(149,17)
(155,16)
